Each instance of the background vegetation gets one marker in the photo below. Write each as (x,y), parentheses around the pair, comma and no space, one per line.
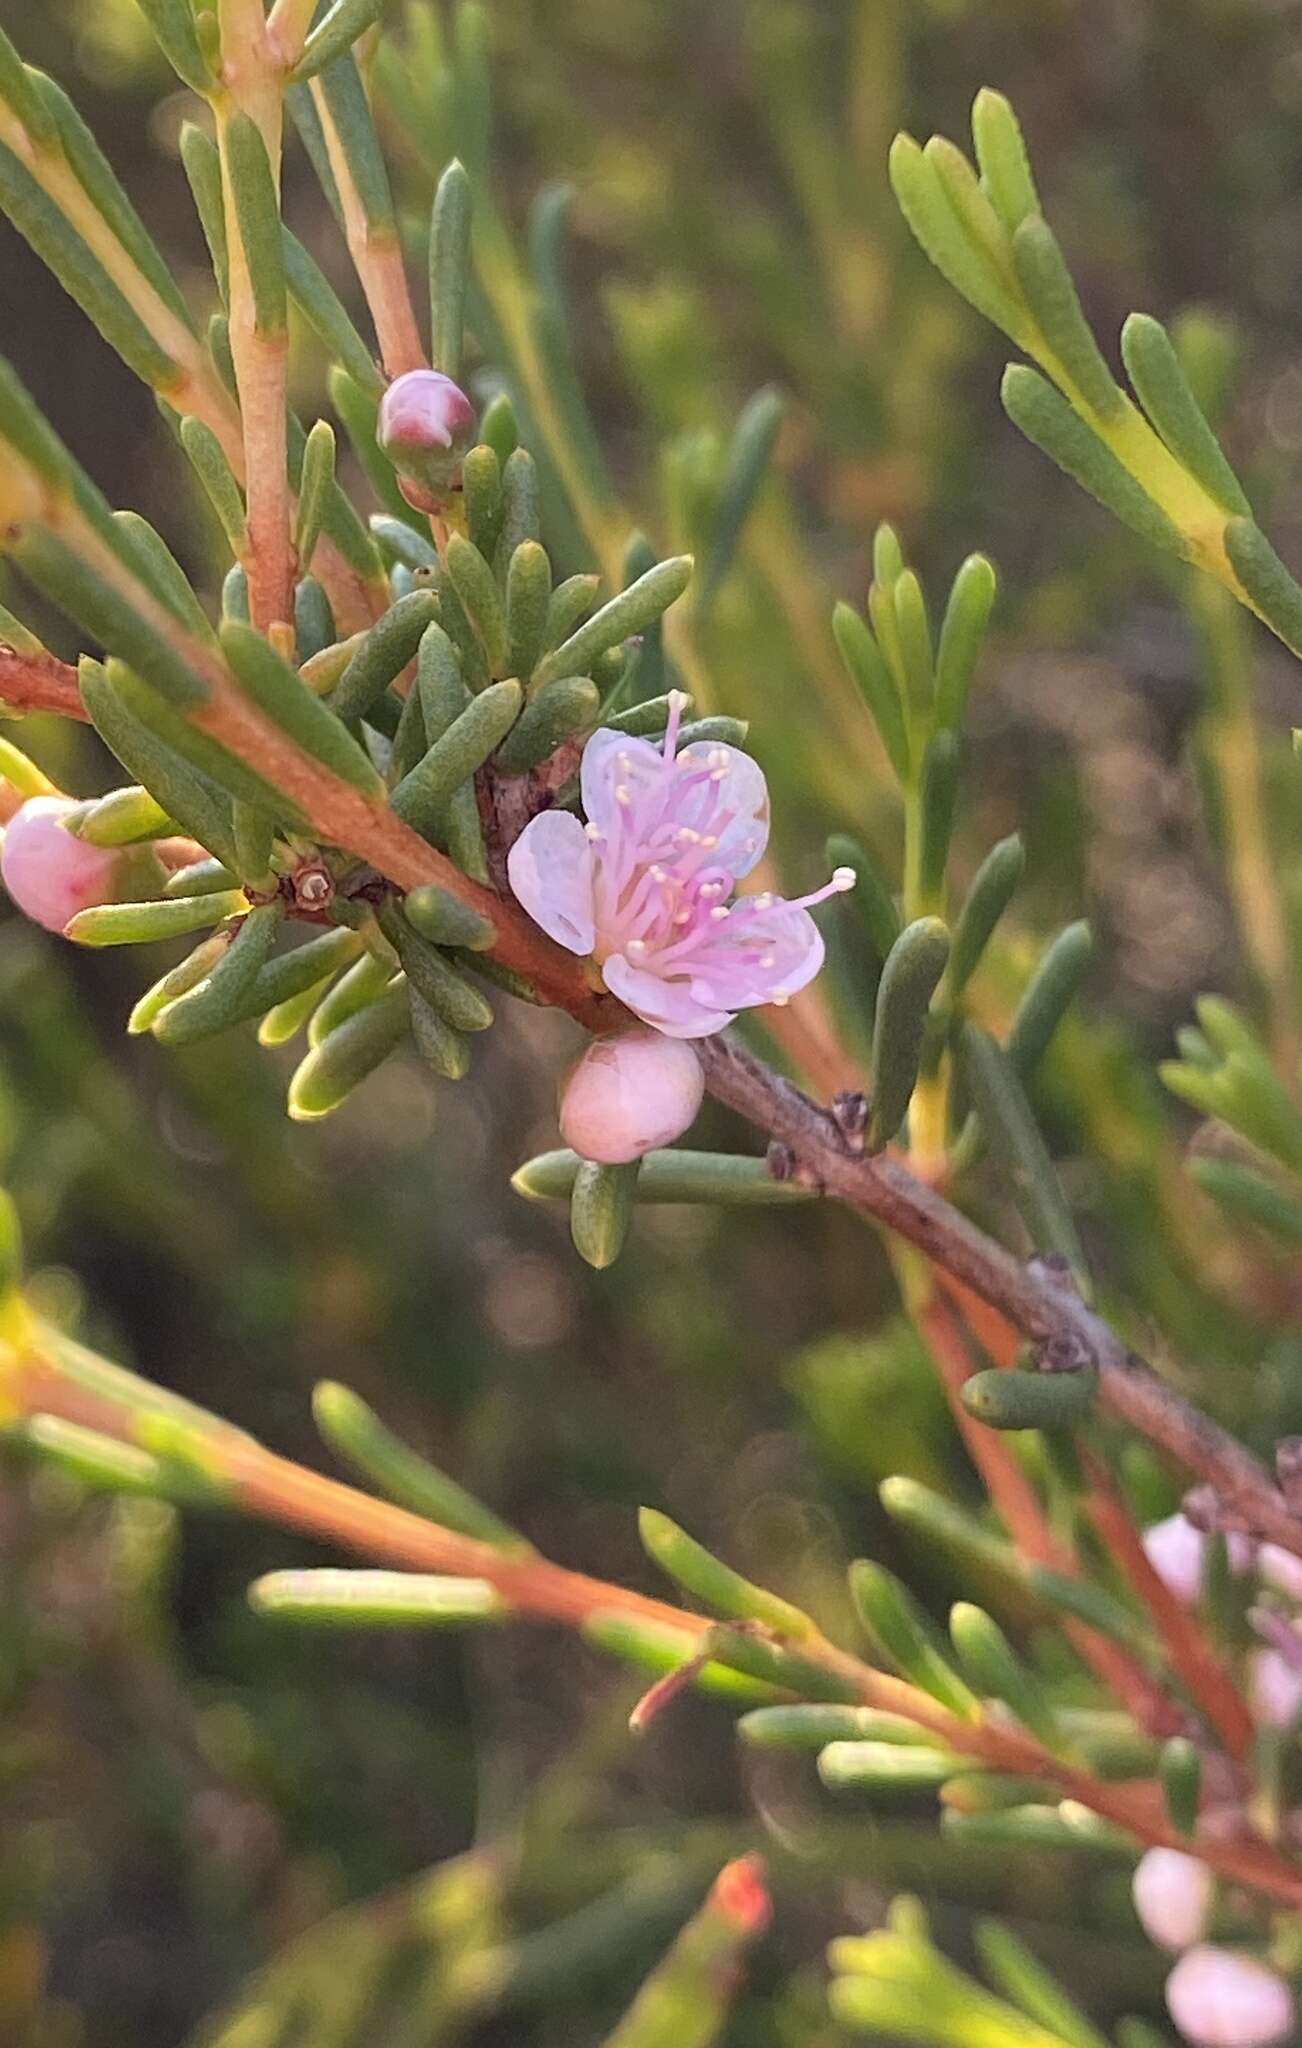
(184,1792)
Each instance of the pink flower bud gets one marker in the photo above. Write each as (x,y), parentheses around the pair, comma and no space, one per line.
(426,424)
(49,874)
(1281,1568)
(1275,1689)
(1176,1550)
(628,1094)
(1222,2000)
(1173,1897)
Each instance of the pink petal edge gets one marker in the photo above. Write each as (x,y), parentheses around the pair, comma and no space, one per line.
(550,872)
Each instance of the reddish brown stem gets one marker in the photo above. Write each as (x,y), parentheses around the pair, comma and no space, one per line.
(1204,1675)
(1026,1296)
(377,259)
(882,1188)
(291,1495)
(38,682)
(1019,1508)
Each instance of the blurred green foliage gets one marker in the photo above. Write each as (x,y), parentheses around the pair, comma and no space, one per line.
(185,1793)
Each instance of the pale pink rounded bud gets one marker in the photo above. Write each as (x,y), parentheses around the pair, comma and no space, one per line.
(1173,1897)
(1176,1550)
(1222,2000)
(1275,1689)
(50,874)
(1281,1568)
(628,1094)
(426,424)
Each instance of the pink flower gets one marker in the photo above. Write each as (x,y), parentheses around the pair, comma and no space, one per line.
(49,873)
(425,426)
(1275,1689)
(1173,1897)
(644,886)
(1281,1568)
(1222,2000)
(1176,1550)
(628,1094)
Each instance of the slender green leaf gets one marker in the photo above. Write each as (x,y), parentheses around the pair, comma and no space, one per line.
(712,1178)
(1274,593)
(1014,1136)
(1002,160)
(42,223)
(1046,418)
(566,707)
(909,980)
(134,924)
(357,1435)
(968,265)
(1167,397)
(601,1210)
(995,1671)
(449,267)
(257,216)
(382,655)
(452,760)
(335,33)
(338,89)
(862,657)
(754,439)
(714,1583)
(992,890)
(201,161)
(324,312)
(962,632)
(343,1060)
(1046,281)
(208,460)
(628,613)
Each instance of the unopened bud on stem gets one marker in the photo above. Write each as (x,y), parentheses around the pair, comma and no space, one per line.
(1222,2000)
(425,427)
(628,1094)
(49,873)
(1173,1897)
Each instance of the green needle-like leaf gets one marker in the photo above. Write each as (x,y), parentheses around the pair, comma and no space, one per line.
(909,980)
(257,216)
(335,33)
(628,613)
(601,1209)
(1167,397)
(357,1435)
(449,267)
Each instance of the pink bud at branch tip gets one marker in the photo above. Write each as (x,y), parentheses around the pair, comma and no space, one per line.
(628,1094)
(741,1895)
(425,426)
(49,874)
(1222,2000)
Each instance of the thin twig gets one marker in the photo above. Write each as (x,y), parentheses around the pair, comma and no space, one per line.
(290,1494)
(886,1190)
(39,682)
(377,259)
(1208,1681)
(882,1188)
(254,85)
(1019,1508)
